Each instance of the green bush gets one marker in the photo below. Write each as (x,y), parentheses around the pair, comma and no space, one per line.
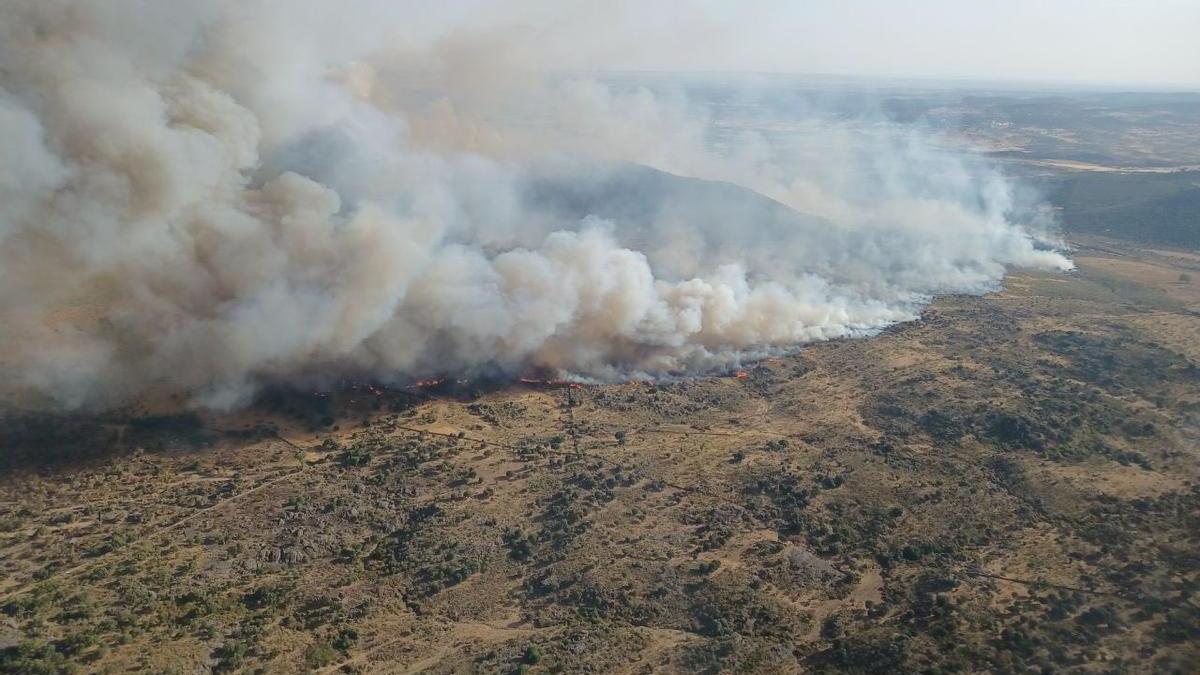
(320,655)
(532,655)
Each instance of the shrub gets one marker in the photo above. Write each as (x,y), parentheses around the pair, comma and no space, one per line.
(532,655)
(320,655)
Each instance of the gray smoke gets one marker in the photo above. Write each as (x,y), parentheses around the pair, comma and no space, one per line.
(198,197)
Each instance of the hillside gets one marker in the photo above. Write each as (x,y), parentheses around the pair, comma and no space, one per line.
(1155,208)
(1010,483)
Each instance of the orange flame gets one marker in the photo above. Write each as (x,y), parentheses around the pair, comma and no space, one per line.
(550,383)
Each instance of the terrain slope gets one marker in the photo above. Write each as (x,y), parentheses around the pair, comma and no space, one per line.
(1010,482)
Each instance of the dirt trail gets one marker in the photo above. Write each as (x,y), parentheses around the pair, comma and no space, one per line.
(459,635)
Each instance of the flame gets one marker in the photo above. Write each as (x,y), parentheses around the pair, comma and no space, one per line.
(550,383)
(741,375)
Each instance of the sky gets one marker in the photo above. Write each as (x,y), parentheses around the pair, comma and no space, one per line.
(1149,43)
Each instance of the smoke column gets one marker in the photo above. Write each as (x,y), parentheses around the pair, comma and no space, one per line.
(201,197)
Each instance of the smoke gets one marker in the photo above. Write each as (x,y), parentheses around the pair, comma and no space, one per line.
(200,197)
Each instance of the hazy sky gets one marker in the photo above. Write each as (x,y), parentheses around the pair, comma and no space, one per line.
(1149,42)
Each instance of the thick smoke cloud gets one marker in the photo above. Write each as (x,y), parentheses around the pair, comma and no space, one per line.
(200,197)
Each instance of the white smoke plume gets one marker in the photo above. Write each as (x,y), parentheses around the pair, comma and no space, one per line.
(199,197)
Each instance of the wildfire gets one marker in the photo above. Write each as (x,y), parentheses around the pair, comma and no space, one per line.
(550,383)
(741,375)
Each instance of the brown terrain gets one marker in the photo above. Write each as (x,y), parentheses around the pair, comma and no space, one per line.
(1010,484)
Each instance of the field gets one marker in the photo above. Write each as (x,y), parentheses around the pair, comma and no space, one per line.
(1011,482)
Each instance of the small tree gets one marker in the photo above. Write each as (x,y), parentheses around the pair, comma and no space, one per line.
(319,655)
(620,435)
(532,655)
